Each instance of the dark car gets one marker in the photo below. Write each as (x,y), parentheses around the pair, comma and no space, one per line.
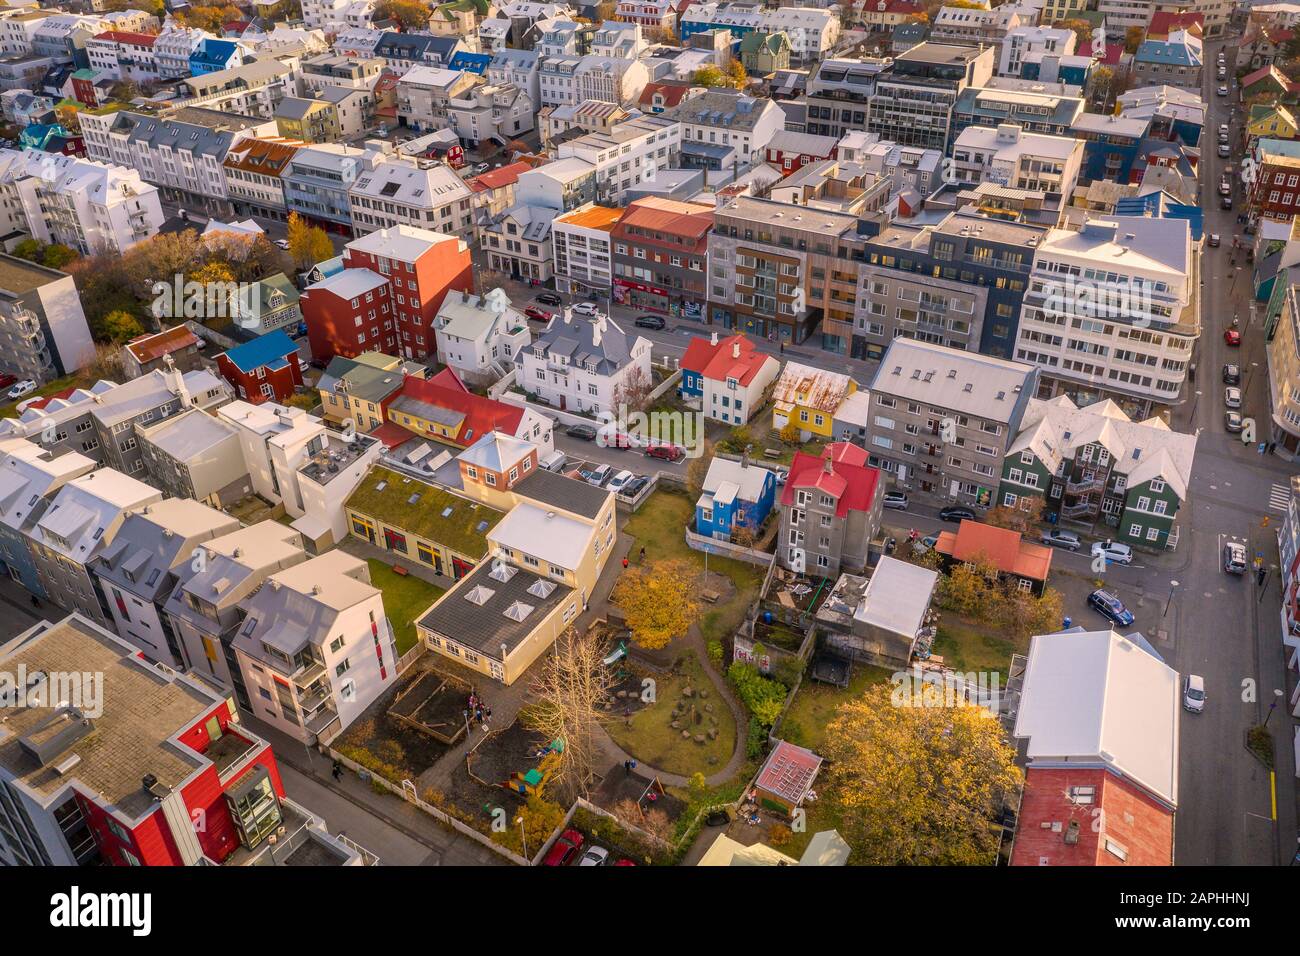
(585,432)
(650,322)
(665,452)
(7,380)
(549,298)
(957,513)
(1110,607)
(564,849)
(1231,375)
(1226,202)
(633,488)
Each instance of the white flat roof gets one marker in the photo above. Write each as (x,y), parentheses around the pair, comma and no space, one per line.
(547,535)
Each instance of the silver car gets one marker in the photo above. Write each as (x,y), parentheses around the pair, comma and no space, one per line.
(1232,397)
(1194,693)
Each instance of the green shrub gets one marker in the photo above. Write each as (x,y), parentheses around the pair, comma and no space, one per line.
(763,697)
(715,653)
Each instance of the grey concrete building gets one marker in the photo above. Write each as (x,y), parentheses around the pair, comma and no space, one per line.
(43,330)
(195,455)
(942,419)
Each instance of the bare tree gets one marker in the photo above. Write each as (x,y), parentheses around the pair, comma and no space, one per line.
(634,391)
(571,690)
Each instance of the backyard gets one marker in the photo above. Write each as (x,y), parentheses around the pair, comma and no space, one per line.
(648,734)
(8,409)
(659,526)
(815,704)
(405,599)
(968,646)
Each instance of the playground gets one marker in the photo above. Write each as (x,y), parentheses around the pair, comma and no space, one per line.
(390,747)
(646,793)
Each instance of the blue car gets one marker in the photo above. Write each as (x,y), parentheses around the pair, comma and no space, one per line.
(1110,607)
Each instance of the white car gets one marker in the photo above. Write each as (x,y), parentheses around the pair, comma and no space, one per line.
(586,308)
(282,244)
(595,856)
(1194,693)
(1232,397)
(1114,551)
(1223,91)
(25,387)
(618,481)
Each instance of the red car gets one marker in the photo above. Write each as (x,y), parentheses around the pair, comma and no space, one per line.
(6,381)
(564,849)
(1231,337)
(538,315)
(666,452)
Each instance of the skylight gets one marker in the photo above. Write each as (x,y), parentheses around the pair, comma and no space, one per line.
(479,595)
(502,572)
(541,589)
(518,611)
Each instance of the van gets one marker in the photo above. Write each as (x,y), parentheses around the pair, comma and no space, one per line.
(554,461)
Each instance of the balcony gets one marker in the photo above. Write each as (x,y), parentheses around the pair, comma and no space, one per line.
(1081,509)
(1087,486)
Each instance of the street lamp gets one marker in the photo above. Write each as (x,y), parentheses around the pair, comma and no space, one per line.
(1277,695)
(523,837)
(1170,600)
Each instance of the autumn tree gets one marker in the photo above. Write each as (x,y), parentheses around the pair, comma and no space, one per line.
(790,432)
(107,363)
(653,821)
(571,691)
(411,14)
(633,392)
(970,589)
(708,76)
(658,600)
(539,819)
(308,244)
(1081,28)
(117,327)
(916,785)
(1020,614)
(1133,38)
(697,470)
(212,18)
(1011,518)
(736,75)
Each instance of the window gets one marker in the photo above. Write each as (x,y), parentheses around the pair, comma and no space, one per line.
(343,667)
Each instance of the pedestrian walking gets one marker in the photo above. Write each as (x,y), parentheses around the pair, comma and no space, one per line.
(487,714)
(642,558)
(625,562)
(337,770)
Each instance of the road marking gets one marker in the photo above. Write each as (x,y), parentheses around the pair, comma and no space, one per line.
(1279,499)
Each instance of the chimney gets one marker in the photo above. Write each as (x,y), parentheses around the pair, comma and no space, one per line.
(713,339)
(827,466)
(175,380)
(597,330)
(735,349)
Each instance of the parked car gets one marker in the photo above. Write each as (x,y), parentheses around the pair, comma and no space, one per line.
(633,487)
(1114,552)
(1194,693)
(585,432)
(1231,374)
(619,481)
(564,849)
(1225,202)
(1234,557)
(1231,337)
(897,500)
(597,476)
(25,387)
(303,364)
(665,452)
(1232,397)
(922,545)
(549,298)
(595,856)
(555,461)
(611,437)
(7,380)
(1214,239)
(1225,150)
(1110,607)
(1225,186)
(281,244)
(1223,90)
(957,513)
(1232,423)
(1061,539)
(538,315)
(782,475)
(650,322)
(586,308)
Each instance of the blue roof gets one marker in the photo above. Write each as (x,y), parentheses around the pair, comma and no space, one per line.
(266,350)
(470,62)
(1158,204)
(1172,54)
(214,51)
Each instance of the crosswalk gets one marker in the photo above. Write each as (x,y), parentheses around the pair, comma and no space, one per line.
(1279,498)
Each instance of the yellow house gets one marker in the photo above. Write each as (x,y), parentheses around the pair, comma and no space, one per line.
(358,389)
(308,120)
(1273,121)
(545,557)
(420,521)
(810,397)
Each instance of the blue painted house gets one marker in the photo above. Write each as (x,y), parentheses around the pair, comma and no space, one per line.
(212,56)
(476,63)
(736,494)
(1110,145)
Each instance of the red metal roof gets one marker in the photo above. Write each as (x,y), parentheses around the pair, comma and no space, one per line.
(126,36)
(146,348)
(789,772)
(671,94)
(1057,821)
(497,178)
(1005,549)
(1165,22)
(482,415)
(850,479)
(720,362)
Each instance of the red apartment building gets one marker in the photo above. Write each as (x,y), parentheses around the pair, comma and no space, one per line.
(152,769)
(263,370)
(1276,193)
(349,313)
(1058,824)
(788,152)
(661,256)
(422,267)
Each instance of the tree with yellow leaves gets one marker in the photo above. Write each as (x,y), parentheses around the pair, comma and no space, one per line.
(658,601)
(308,244)
(916,785)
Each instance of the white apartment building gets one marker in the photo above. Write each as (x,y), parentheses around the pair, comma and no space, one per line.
(627,155)
(173,47)
(423,93)
(18,29)
(583,364)
(609,79)
(813,31)
(479,337)
(276,442)
(254,88)
(88,206)
(584,250)
(411,192)
(1113,311)
(1006,155)
(491,112)
(252,168)
(520,68)
(325,481)
(620,40)
(82,520)
(357,41)
(122,55)
(729,118)
(137,571)
(316,646)
(1023,40)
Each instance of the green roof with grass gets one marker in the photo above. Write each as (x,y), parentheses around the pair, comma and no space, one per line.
(425,511)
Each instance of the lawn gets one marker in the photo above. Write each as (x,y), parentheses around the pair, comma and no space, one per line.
(967,646)
(660,527)
(815,704)
(8,409)
(405,598)
(652,740)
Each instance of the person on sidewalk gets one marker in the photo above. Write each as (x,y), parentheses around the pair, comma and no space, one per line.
(625,563)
